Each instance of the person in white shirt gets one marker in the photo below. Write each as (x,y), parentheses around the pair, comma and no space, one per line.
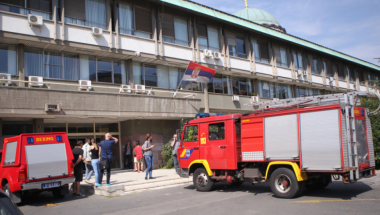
(87,154)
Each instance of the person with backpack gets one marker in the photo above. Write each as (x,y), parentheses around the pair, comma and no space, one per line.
(105,151)
(148,154)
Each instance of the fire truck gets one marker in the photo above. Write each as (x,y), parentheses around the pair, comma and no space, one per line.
(33,163)
(293,144)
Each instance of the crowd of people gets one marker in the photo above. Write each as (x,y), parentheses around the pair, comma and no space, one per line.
(97,158)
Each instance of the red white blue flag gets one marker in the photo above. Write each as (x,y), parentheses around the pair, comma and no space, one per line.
(198,73)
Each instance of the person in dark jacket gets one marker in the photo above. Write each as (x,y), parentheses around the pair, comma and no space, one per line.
(105,151)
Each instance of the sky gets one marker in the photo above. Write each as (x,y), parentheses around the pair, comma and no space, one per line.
(348,26)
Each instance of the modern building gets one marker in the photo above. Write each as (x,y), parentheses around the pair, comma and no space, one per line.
(88,67)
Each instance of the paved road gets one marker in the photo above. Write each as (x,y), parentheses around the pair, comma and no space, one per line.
(360,198)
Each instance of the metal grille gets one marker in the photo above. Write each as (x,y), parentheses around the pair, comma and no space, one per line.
(253,156)
(370,140)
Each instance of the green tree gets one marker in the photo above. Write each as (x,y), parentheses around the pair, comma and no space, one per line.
(372,104)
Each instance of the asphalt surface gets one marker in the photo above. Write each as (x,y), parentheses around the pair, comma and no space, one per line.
(362,197)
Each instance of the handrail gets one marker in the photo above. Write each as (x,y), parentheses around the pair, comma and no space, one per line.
(104,87)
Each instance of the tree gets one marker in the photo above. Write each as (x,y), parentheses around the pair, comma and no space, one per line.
(372,104)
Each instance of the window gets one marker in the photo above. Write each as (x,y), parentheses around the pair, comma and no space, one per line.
(218,84)
(327,67)
(191,134)
(341,74)
(274,90)
(361,77)
(102,70)
(208,37)
(33,62)
(315,68)
(159,76)
(303,92)
(10,153)
(238,48)
(53,65)
(230,85)
(8,59)
(351,74)
(260,50)
(297,59)
(38,7)
(281,56)
(17,127)
(174,30)
(134,20)
(55,127)
(92,13)
(216,131)
(71,66)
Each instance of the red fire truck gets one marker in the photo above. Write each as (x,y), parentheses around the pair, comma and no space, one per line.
(35,163)
(294,144)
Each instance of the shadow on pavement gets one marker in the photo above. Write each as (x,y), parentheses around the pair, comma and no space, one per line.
(336,190)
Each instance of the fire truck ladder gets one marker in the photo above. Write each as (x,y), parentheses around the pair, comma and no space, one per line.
(347,101)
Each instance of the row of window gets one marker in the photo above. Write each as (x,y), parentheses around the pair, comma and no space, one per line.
(137,21)
(73,66)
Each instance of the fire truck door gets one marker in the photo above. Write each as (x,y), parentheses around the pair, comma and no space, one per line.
(190,145)
(213,144)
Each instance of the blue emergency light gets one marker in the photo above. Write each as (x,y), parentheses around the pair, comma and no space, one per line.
(30,139)
(204,115)
(59,138)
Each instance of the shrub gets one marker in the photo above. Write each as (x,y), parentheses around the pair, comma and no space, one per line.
(167,155)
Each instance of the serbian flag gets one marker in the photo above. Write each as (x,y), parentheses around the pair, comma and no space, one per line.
(198,73)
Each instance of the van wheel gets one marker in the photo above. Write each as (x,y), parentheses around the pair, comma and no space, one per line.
(202,181)
(57,194)
(283,183)
(15,198)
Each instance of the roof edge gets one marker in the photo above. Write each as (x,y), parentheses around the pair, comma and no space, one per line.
(196,7)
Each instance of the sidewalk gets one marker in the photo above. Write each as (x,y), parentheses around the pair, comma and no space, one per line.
(126,181)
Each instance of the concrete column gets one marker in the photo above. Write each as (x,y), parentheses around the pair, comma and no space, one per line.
(63,20)
(21,64)
(129,68)
(323,71)
(109,18)
(249,51)
(273,58)
(205,91)
(223,45)
(198,58)
(116,20)
(155,21)
(192,42)
(161,39)
(38,125)
(54,8)
(1,127)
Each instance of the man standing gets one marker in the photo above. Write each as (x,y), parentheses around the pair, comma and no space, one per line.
(127,151)
(105,151)
(86,158)
(175,144)
(78,168)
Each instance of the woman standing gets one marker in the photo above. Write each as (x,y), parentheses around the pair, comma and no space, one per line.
(148,153)
(94,149)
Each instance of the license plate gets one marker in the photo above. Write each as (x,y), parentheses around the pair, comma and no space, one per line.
(50,185)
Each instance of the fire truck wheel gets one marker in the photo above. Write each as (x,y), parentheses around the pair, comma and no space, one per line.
(283,183)
(202,181)
(15,198)
(302,188)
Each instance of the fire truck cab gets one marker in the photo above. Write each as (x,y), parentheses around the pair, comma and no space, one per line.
(37,162)
(293,147)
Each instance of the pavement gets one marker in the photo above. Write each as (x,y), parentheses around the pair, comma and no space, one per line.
(363,197)
(126,181)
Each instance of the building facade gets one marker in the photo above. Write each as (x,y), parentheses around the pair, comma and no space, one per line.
(88,67)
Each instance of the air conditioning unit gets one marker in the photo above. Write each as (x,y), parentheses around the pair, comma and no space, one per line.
(235,98)
(35,20)
(5,79)
(331,79)
(217,55)
(139,88)
(276,99)
(97,31)
(36,81)
(254,99)
(207,53)
(84,85)
(125,88)
(52,107)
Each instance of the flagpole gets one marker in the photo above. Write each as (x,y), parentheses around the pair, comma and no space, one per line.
(181,80)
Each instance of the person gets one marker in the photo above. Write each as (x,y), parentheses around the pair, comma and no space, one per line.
(78,168)
(127,151)
(94,149)
(175,145)
(138,158)
(87,155)
(105,152)
(148,154)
